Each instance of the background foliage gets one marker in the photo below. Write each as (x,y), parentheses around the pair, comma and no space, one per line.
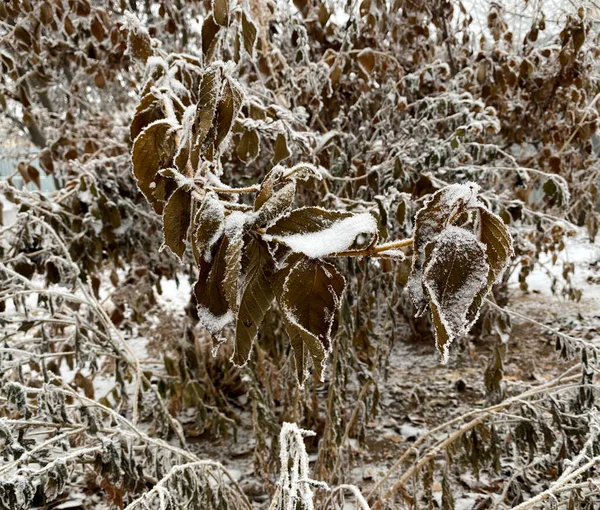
(395,155)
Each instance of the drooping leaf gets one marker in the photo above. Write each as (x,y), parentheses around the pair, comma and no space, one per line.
(248,146)
(257,297)
(228,109)
(176,219)
(233,268)
(152,150)
(148,110)
(210,31)
(456,273)
(221,12)
(437,213)
(249,33)
(208,98)
(311,297)
(318,232)
(208,226)
(213,309)
(140,45)
(494,234)
(281,150)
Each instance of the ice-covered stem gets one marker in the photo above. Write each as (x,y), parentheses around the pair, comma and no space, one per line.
(294,484)
(376,250)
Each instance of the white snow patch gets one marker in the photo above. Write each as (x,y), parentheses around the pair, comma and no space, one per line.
(336,238)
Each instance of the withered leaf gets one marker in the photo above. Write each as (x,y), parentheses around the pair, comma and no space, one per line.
(233,268)
(311,297)
(213,310)
(494,234)
(152,150)
(249,33)
(257,297)
(176,220)
(248,146)
(437,213)
(281,150)
(208,97)
(276,205)
(221,12)
(148,110)
(318,232)
(366,60)
(228,109)
(210,30)
(208,226)
(455,274)
(140,45)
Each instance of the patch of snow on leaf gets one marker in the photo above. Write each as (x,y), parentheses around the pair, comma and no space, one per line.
(338,237)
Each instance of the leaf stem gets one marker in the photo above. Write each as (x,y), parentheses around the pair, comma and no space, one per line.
(374,251)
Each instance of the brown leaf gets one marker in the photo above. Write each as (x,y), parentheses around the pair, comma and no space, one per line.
(366,60)
(311,297)
(276,205)
(249,33)
(176,220)
(430,221)
(210,31)
(494,234)
(257,297)
(152,150)
(97,28)
(281,150)
(208,227)
(208,97)
(213,309)
(148,110)
(248,146)
(140,45)
(455,274)
(233,268)
(221,12)
(228,110)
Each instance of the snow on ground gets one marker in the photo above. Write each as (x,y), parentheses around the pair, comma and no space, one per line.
(586,259)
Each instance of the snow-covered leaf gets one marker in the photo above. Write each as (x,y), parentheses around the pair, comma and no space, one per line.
(318,232)
(208,98)
(208,226)
(213,309)
(497,240)
(455,274)
(229,107)
(233,268)
(438,213)
(276,205)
